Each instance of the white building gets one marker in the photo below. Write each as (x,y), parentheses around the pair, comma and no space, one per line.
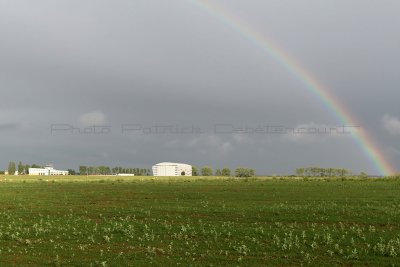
(172,169)
(48,170)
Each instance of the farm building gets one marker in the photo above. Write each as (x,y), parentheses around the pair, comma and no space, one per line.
(172,169)
(48,170)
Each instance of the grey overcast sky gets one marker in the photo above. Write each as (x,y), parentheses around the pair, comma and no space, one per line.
(136,64)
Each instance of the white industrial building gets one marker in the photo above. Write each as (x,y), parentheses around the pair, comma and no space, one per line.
(48,170)
(172,169)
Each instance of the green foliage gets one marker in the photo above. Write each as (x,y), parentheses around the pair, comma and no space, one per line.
(11,168)
(218,172)
(105,170)
(195,171)
(36,166)
(226,172)
(20,168)
(26,169)
(244,172)
(207,171)
(71,172)
(322,172)
(83,170)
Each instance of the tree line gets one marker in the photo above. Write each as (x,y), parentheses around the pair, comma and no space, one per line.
(106,170)
(20,167)
(83,170)
(322,172)
(226,172)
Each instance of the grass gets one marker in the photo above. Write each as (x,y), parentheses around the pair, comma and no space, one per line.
(142,221)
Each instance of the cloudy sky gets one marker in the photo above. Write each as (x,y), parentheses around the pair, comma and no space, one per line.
(135,68)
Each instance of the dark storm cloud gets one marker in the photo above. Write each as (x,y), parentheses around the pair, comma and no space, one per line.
(171,63)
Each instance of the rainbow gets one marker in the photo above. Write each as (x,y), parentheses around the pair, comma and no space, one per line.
(363,140)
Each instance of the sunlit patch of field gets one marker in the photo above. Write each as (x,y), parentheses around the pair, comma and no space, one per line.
(198,221)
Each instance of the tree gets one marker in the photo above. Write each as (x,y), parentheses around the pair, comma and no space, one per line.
(226,172)
(207,171)
(11,168)
(91,170)
(20,168)
(103,170)
(322,172)
(195,171)
(83,170)
(71,172)
(244,172)
(26,169)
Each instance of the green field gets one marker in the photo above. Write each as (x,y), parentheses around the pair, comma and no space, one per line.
(100,221)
